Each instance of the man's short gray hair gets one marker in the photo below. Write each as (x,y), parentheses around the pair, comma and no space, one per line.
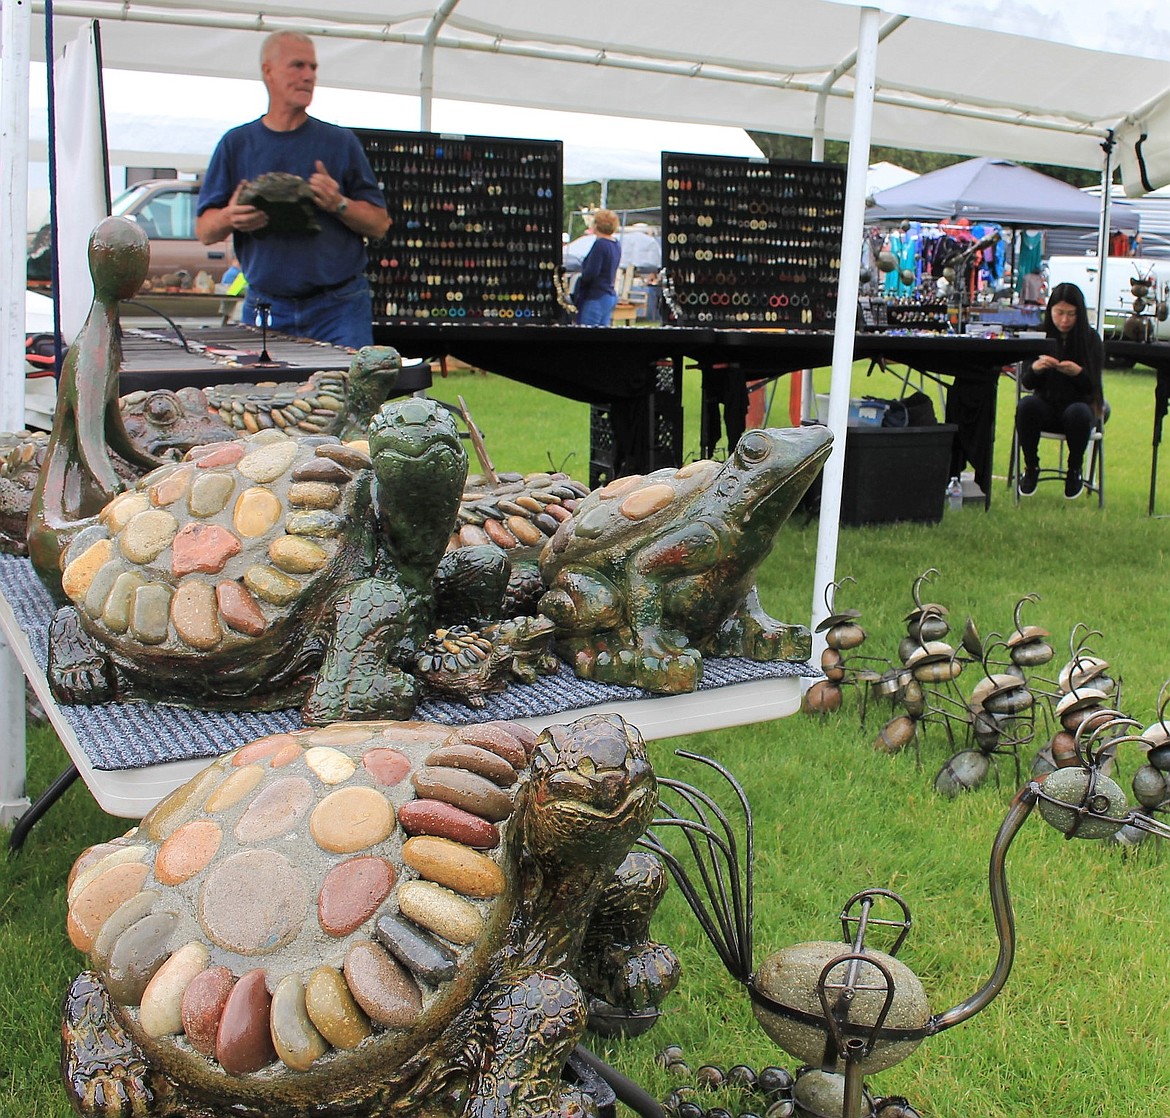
(274,40)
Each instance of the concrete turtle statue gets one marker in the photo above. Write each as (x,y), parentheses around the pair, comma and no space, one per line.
(258,572)
(159,422)
(337,402)
(468,664)
(368,918)
(653,572)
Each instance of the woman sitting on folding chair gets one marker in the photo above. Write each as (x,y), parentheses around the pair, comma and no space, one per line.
(1067,396)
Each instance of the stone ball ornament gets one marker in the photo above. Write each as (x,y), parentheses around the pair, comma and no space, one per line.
(368,918)
(849,1008)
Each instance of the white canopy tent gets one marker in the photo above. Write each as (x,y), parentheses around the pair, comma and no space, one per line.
(1035,80)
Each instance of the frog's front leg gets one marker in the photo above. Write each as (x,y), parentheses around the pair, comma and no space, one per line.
(752,632)
(667,659)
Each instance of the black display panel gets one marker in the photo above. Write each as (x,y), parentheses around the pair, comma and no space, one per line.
(752,242)
(475,227)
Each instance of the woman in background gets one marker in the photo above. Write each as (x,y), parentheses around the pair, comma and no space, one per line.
(595,295)
(1067,395)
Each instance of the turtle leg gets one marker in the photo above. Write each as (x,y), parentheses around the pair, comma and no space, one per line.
(357,679)
(625,973)
(753,633)
(469,585)
(105,1073)
(79,671)
(533,1022)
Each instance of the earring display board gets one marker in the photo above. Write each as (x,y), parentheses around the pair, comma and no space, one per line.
(748,242)
(475,227)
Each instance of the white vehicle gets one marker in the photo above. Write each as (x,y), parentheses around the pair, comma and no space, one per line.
(1085,272)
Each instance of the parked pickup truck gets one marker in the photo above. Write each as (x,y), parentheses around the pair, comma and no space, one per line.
(1120,272)
(165,211)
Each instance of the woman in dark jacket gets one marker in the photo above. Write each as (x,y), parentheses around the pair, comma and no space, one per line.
(1066,389)
(595,295)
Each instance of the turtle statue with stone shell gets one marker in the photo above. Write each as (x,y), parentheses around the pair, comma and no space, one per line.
(160,422)
(258,573)
(337,402)
(651,573)
(367,919)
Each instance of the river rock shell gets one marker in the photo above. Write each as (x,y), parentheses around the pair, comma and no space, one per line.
(299,934)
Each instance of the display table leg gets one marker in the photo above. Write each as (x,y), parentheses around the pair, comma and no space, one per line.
(13,800)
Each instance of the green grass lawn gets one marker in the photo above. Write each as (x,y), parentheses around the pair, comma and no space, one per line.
(1081,1026)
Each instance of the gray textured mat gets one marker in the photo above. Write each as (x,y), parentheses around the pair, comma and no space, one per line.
(132,735)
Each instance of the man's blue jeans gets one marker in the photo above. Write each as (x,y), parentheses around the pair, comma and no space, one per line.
(342,317)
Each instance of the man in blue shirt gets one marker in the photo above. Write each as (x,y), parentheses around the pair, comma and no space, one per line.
(314,283)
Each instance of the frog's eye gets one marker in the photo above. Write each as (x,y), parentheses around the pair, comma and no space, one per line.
(163,408)
(754,446)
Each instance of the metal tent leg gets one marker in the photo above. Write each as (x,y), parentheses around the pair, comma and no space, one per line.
(44,801)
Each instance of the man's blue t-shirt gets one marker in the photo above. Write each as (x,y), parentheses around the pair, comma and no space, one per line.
(291,265)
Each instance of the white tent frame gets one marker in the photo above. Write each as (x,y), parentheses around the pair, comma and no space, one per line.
(1070,30)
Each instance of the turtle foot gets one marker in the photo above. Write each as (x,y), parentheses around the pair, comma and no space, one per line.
(536,1021)
(625,973)
(105,1073)
(79,672)
(393,694)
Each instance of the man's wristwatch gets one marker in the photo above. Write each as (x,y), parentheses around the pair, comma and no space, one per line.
(342,206)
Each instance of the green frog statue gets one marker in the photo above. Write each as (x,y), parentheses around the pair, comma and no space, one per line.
(651,573)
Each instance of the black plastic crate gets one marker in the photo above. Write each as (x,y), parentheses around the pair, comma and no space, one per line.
(660,414)
(896,474)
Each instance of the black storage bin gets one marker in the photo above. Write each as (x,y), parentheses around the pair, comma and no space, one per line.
(896,473)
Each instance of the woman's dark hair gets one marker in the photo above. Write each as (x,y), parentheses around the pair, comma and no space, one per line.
(1079,337)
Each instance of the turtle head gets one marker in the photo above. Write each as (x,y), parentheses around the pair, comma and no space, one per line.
(375,367)
(592,789)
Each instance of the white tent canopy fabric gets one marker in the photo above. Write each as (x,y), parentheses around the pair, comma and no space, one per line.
(1023,79)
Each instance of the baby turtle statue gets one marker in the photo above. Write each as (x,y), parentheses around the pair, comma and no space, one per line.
(259,571)
(337,402)
(365,919)
(652,573)
(847,1009)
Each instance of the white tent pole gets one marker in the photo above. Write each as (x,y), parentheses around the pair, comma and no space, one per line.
(426,78)
(840,70)
(846,320)
(1103,230)
(16,34)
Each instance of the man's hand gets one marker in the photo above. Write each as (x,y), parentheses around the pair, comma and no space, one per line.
(244,218)
(325,188)
(216,224)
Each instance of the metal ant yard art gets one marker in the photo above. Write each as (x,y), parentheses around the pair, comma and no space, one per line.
(997,717)
(847,1009)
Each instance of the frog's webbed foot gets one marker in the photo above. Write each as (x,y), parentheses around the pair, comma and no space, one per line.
(667,664)
(79,671)
(753,633)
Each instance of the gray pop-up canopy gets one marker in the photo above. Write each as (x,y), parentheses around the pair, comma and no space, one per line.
(994,190)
